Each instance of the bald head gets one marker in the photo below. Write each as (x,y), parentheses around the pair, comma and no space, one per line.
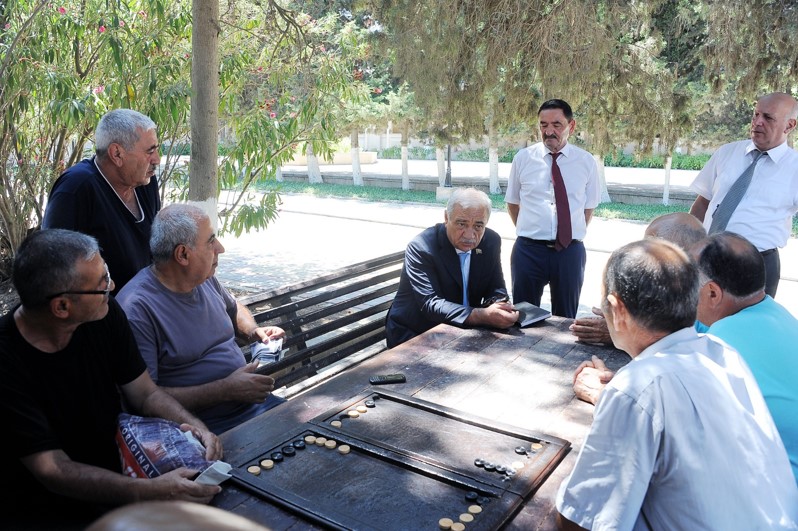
(680,228)
(774,118)
(783,101)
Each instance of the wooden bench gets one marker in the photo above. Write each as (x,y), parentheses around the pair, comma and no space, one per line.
(338,316)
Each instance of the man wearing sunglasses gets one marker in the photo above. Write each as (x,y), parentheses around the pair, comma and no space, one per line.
(66,355)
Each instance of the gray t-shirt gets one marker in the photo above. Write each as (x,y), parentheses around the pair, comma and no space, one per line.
(186,338)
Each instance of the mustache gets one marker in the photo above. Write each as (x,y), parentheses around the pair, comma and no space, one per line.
(548,137)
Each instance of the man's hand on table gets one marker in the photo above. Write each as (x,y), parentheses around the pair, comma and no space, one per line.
(592,329)
(497,315)
(590,379)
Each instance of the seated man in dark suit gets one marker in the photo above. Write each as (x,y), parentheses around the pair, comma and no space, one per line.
(443,259)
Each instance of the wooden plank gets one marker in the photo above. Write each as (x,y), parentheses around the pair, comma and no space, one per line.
(329,295)
(343,273)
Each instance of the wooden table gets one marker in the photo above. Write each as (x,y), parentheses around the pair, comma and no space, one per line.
(520,377)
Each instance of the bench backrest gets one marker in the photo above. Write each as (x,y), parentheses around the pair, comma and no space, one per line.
(327,318)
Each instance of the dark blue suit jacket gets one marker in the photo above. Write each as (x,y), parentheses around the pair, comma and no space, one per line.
(431,286)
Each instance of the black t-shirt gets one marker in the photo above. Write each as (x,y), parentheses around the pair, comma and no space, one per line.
(65,400)
(83,201)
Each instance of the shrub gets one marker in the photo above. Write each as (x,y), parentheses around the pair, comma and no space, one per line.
(679,162)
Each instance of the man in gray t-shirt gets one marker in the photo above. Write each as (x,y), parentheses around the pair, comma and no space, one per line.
(186,323)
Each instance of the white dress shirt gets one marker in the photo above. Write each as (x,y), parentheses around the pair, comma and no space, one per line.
(531,187)
(764,215)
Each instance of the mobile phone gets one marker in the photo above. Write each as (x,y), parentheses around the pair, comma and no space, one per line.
(383,379)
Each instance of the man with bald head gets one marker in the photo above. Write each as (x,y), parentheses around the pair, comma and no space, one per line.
(733,304)
(764,214)
(678,227)
(681,437)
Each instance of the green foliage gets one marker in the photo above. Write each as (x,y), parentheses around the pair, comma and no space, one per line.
(284,79)
(679,162)
(63,66)
(413,153)
(475,155)
(634,212)
(508,155)
(394,152)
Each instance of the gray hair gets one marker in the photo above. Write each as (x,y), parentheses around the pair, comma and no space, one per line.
(469,198)
(174,225)
(46,263)
(657,283)
(120,126)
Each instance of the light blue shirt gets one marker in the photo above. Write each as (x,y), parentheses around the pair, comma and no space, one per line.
(682,439)
(766,336)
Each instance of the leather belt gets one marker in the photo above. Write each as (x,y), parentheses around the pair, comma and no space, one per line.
(547,243)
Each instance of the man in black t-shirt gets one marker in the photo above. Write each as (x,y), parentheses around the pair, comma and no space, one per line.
(113,196)
(66,355)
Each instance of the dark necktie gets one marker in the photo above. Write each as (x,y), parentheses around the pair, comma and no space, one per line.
(564,235)
(733,197)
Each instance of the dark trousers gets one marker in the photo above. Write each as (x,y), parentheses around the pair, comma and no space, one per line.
(534,264)
(772,270)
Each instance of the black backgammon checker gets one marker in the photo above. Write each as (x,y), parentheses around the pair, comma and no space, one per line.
(410,463)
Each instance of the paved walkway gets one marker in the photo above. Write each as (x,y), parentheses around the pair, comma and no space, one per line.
(316,235)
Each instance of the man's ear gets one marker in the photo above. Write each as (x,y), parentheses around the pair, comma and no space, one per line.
(116,154)
(571,127)
(180,254)
(445,216)
(618,311)
(790,125)
(714,294)
(60,307)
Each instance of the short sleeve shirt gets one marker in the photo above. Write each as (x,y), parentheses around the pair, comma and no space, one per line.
(764,215)
(530,186)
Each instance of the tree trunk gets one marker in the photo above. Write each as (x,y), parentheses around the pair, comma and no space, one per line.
(441,158)
(357,177)
(605,194)
(405,173)
(666,189)
(203,167)
(314,173)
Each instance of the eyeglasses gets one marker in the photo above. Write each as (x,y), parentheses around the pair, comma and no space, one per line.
(103,292)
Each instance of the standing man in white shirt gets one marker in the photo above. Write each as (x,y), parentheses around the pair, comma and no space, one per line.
(764,214)
(551,193)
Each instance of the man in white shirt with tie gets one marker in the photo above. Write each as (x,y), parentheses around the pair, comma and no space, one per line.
(551,193)
(764,214)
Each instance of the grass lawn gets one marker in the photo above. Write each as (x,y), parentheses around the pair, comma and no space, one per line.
(372,193)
